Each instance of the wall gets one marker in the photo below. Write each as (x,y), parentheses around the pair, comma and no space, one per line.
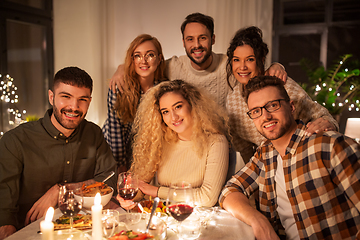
(95,34)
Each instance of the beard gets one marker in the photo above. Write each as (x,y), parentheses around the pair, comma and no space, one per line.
(67,123)
(203,60)
(284,128)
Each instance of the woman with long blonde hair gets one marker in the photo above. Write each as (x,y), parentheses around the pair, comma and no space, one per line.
(180,135)
(144,68)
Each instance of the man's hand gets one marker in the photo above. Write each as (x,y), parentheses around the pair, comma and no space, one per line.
(238,205)
(277,70)
(117,80)
(6,231)
(38,210)
(319,125)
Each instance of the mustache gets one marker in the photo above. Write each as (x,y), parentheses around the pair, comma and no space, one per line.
(198,48)
(71,111)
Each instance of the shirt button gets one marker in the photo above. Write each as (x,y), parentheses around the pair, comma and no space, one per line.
(55,137)
(65,180)
(61,134)
(68,162)
(67,141)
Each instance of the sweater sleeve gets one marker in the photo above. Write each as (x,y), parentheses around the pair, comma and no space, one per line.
(305,108)
(217,163)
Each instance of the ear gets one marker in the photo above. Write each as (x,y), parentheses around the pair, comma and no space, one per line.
(183,40)
(213,39)
(292,105)
(160,55)
(51,97)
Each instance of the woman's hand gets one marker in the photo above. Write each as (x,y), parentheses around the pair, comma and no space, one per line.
(148,189)
(126,204)
(277,70)
(319,125)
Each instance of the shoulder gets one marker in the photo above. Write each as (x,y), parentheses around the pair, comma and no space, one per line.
(219,139)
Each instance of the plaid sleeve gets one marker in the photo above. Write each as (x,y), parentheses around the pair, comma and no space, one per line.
(244,181)
(115,132)
(345,168)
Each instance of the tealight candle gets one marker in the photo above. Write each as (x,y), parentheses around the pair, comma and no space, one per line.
(47,226)
(96,212)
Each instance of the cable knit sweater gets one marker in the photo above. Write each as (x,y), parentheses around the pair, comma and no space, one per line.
(207,174)
(213,79)
(243,129)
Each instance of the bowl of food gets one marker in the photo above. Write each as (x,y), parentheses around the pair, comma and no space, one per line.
(134,224)
(90,191)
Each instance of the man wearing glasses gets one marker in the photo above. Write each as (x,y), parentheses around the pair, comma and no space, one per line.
(308,187)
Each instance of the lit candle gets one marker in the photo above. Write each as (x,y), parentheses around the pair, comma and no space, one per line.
(96,212)
(47,226)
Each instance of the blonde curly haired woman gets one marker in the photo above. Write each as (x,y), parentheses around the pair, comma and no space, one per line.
(181,135)
(144,68)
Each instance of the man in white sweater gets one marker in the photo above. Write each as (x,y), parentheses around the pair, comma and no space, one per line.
(200,66)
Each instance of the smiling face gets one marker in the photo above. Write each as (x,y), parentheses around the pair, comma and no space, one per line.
(198,43)
(275,125)
(70,105)
(146,60)
(176,114)
(244,64)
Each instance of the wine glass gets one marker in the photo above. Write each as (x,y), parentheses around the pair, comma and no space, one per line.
(70,202)
(127,186)
(180,202)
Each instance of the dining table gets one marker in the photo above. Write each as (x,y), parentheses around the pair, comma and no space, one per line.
(219,225)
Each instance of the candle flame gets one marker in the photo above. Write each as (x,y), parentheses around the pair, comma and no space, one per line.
(49,214)
(97,200)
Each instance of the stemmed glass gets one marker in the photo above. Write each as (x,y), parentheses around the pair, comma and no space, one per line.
(70,202)
(127,186)
(180,202)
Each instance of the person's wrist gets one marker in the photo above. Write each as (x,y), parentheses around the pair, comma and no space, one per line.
(278,64)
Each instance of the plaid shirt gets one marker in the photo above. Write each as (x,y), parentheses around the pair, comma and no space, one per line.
(322,175)
(116,133)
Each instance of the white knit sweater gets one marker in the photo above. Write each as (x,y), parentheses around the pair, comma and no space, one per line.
(212,79)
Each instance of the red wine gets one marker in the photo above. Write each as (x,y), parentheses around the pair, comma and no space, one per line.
(180,212)
(70,211)
(128,193)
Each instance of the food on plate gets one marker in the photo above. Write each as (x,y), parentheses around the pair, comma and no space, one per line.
(126,235)
(80,221)
(147,206)
(91,190)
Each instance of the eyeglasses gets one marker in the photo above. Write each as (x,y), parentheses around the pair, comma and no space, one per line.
(149,57)
(271,106)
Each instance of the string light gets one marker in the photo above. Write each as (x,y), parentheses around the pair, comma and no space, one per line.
(9,96)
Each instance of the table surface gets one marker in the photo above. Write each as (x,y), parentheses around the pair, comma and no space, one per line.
(222,225)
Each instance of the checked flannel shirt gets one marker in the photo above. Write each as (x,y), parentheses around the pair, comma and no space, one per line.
(116,133)
(322,175)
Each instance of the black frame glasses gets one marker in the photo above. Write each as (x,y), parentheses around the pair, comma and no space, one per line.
(270,106)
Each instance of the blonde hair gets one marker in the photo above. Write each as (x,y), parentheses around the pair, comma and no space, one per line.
(151,132)
(127,101)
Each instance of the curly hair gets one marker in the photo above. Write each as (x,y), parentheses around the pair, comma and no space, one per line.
(251,36)
(151,133)
(127,101)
